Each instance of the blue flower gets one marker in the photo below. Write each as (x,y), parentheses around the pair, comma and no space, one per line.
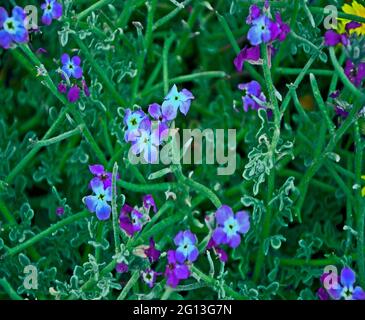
(133,120)
(252,96)
(176,100)
(230,226)
(98,203)
(12,29)
(147,143)
(260,30)
(71,66)
(52,10)
(186,249)
(345,289)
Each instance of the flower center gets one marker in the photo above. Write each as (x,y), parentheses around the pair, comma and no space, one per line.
(10,26)
(134,121)
(101,197)
(49,7)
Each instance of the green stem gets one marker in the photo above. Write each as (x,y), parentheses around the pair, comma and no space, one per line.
(134,278)
(9,289)
(115,209)
(94,7)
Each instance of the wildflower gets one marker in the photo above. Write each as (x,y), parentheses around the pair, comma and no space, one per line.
(174,271)
(356,74)
(12,29)
(260,31)
(52,10)
(130,220)
(73,94)
(176,100)
(71,66)
(230,226)
(252,96)
(121,267)
(60,211)
(147,143)
(162,116)
(249,54)
(283,28)
(255,12)
(133,120)
(356,9)
(151,252)
(345,287)
(332,38)
(100,174)
(62,88)
(185,241)
(222,255)
(149,202)
(98,203)
(149,277)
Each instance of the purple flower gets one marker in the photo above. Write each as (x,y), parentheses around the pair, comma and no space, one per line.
(230,226)
(252,95)
(12,29)
(133,120)
(73,94)
(176,100)
(356,74)
(149,202)
(345,287)
(121,267)
(52,10)
(98,203)
(222,255)
(340,111)
(62,88)
(151,252)
(260,31)
(60,211)
(149,277)
(147,143)
(249,54)
(255,12)
(174,271)
(71,66)
(100,174)
(332,38)
(186,249)
(130,220)
(283,28)
(161,116)
(352,25)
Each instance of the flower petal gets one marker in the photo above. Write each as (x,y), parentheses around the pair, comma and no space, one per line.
(97,186)
(90,202)
(348,277)
(219,236)
(65,59)
(96,169)
(223,213)
(3,16)
(243,221)
(234,241)
(358,294)
(5,39)
(103,210)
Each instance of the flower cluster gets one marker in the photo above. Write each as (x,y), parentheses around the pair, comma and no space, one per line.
(263,30)
(228,230)
(349,34)
(99,202)
(180,260)
(13,29)
(132,220)
(72,78)
(340,287)
(146,132)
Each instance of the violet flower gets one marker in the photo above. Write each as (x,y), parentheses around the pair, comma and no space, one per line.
(100,174)
(130,220)
(151,252)
(345,287)
(186,246)
(254,13)
(261,29)
(149,277)
(252,95)
(222,255)
(249,54)
(230,226)
(98,203)
(283,28)
(356,74)
(60,211)
(176,100)
(132,120)
(71,66)
(73,94)
(12,29)
(121,267)
(332,38)
(149,202)
(174,271)
(52,11)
